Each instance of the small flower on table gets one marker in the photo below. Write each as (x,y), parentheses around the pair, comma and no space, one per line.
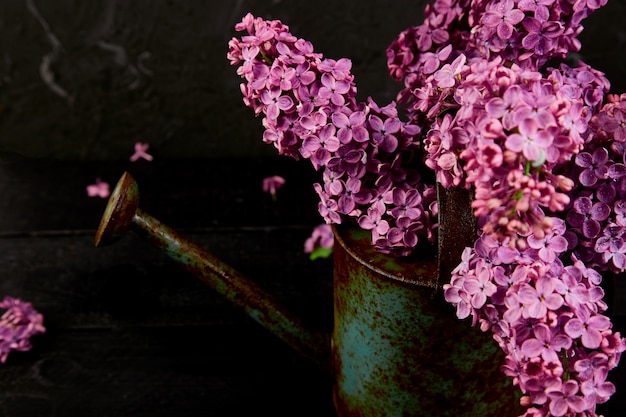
(272,184)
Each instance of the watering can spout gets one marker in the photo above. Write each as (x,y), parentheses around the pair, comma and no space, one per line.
(397,347)
(122,213)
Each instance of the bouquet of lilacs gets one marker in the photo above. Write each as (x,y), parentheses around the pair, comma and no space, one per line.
(542,149)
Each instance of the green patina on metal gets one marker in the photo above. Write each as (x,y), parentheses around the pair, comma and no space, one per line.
(399,349)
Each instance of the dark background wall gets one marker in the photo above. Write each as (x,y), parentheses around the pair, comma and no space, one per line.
(84,80)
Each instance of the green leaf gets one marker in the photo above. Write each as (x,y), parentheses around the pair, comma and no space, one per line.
(320,252)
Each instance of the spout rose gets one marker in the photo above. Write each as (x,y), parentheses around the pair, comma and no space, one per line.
(119,212)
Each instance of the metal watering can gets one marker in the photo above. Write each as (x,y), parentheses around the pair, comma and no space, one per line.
(396,349)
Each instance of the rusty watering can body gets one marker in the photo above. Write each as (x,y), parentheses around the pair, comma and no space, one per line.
(396,349)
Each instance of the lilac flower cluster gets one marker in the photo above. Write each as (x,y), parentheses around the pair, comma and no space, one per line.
(542,153)
(596,216)
(18,324)
(547,318)
(495,122)
(504,131)
(525,32)
(363,150)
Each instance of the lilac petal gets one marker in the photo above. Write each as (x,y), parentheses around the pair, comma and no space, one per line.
(338,99)
(451,294)
(599,322)
(537,310)
(600,156)
(532,24)
(532,348)
(574,328)
(389,143)
(491,19)
(395,235)
(354,156)
(588,178)
(392,125)
(413,198)
(507,254)
(617,170)
(560,342)
(542,332)
(558,244)
(496,107)
(311,143)
(575,219)
(340,120)
(357,118)
(558,406)
(515,142)
(606,389)
(545,285)
(410,239)
(447,161)
(600,211)
(440,36)
(553,301)
(398,196)
(576,403)
(591,228)
(530,40)
(360,134)
(591,339)
(583,205)
(584,160)
(365,222)
(602,244)
(462,310)
(619,260)
(375,123)
(606,193)
(472,286)
(479,300)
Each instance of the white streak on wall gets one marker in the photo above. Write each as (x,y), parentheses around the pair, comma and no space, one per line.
(45,68)
(119,53)
(120,56)
(140,63)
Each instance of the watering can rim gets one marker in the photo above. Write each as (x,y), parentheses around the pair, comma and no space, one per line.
(409,276)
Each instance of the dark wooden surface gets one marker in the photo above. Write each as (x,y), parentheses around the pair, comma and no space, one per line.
(132,334)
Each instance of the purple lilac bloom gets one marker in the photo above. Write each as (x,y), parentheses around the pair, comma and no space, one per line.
(310,111)
(550,321)
(322,236)
(565,400)
(19,323)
